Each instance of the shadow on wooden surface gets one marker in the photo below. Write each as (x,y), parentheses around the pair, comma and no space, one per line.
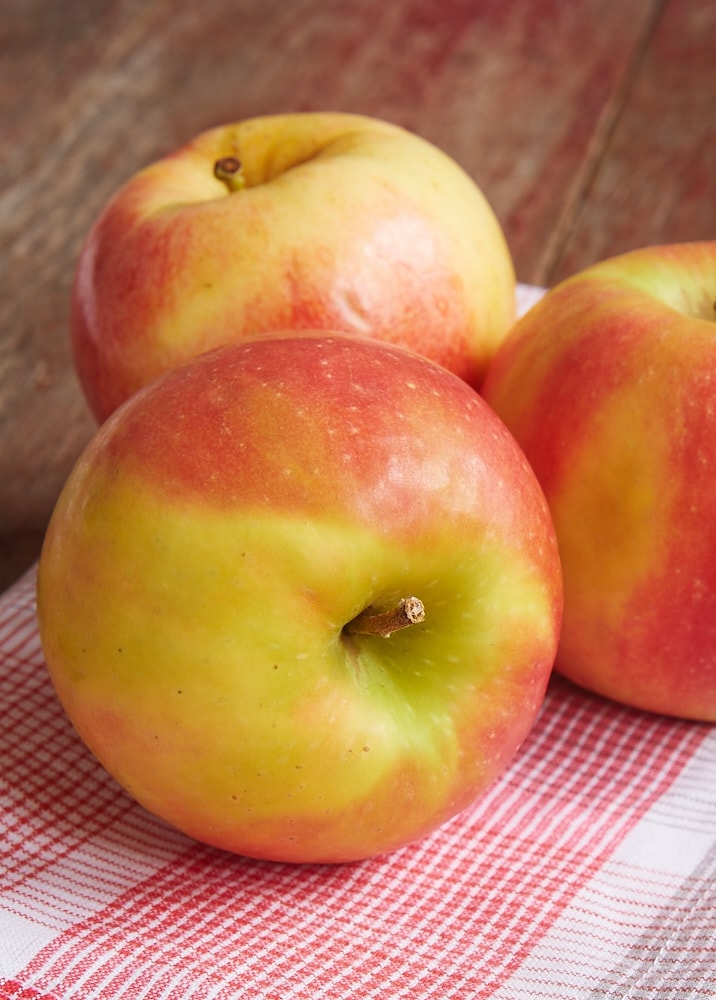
(589,126)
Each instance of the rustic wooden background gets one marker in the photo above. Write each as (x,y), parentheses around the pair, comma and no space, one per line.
(589,124)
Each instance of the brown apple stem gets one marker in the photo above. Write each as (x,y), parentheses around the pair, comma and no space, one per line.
(408,611)
(230,170)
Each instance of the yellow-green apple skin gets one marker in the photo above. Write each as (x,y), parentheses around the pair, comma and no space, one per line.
(609,386)
(345,222)
(214,543)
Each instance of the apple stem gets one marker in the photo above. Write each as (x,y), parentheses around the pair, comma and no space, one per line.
(408,611)
(230,170)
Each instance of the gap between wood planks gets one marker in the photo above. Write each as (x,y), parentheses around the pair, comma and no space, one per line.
(596,151)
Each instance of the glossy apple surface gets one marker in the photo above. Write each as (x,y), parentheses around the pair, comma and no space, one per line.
(209,557)
(609,385)
(343,222)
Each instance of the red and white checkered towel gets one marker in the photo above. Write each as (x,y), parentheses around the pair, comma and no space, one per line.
(587,871)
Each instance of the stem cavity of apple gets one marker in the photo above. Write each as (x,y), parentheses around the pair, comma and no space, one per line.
(408,611)
(230,170)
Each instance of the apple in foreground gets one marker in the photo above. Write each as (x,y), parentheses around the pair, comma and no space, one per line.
(609,385)
(308,220)
(224,578)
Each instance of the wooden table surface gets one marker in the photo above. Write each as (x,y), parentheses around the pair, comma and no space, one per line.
(590,125)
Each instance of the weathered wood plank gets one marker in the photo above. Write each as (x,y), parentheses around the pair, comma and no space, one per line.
(655,180)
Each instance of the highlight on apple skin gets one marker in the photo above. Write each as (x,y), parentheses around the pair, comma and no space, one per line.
(315,220)
(609,386)
(219,586)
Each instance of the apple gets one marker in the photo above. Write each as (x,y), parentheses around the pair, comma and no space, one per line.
(308,220)
(609,386)
(301,597)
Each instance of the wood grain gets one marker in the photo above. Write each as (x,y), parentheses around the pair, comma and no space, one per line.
(584,123)
(655,176)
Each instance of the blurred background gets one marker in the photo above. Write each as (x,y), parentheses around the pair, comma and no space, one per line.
(588,124)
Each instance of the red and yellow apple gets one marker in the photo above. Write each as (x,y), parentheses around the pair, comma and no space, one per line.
(304,220)
(609,386)
(224,578)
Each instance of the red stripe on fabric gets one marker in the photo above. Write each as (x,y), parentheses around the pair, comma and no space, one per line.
(11,989)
